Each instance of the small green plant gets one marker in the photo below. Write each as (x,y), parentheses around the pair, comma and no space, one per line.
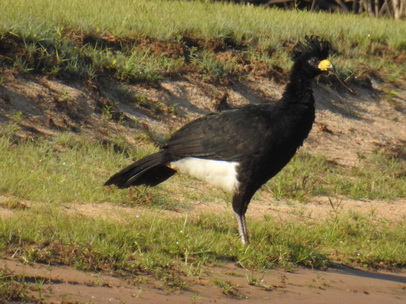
(320,283)
(171,278)
(14,288)
(64,95)
(228,288)
(10,128)
(107,112)
(154,105)
(254,280)
(195,298)
(17,117)
(211,68)
(336,206)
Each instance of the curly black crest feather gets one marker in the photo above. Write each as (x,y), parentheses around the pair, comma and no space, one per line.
(313,46)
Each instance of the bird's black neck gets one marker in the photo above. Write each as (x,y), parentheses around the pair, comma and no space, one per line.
(299,88)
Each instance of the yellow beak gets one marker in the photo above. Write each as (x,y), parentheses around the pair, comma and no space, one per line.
(325,65)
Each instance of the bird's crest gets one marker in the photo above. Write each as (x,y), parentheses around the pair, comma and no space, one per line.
(313,46)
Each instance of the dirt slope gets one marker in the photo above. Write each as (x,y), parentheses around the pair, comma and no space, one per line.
(360,122)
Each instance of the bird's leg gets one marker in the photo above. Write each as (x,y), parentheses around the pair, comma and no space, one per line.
(242,228)
(240,202)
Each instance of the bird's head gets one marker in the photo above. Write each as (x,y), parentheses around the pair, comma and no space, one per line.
(311,56)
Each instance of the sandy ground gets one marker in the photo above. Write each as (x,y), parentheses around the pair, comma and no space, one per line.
(336,285)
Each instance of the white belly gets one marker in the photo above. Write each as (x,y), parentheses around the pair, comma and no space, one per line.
(219,173)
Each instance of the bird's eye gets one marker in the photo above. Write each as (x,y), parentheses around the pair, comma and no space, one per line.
(313,61)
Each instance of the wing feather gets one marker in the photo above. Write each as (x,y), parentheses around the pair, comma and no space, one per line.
(221,135)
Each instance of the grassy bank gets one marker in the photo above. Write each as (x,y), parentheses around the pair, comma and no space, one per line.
(48,171)
(148,40)
(69,170)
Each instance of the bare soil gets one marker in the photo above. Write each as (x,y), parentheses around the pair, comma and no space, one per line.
(347,127)
(340,284)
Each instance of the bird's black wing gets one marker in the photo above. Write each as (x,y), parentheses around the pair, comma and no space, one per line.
(228,135)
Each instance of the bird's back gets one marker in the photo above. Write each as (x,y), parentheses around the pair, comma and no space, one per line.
(261,139)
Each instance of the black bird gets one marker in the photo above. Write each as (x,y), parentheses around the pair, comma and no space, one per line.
(240,149)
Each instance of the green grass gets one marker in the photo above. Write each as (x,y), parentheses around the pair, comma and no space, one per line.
(228,288)
(74,39)
(68,169)
(73,169)
(167,20)
(159,245)
(378,175)
(15,289)
(64,169)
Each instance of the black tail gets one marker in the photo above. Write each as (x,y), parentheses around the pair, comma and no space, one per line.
(150,170)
